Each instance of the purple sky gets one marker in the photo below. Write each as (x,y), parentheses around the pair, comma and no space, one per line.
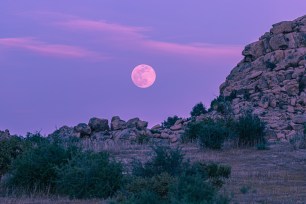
(63,62)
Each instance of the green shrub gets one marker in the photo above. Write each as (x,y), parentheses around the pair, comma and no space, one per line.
(165,159)
(222,104)
(198,109)
(9,150)
(209,133)
(192,131)
(212,135)
(158,185)
(142,139)
(170,121)
(36,168)
(250,130)
(186,183)
(89,175)
(192,189)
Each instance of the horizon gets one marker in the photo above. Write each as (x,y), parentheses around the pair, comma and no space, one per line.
(63,64)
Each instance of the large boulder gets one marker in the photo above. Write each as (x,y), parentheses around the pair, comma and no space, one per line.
(98,125)
(142,125)
(83,130)
(282,27)
(117,123)
(64,131)
(132,123)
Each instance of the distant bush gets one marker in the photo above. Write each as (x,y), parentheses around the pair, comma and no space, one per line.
(189,183)
(222,104)
(165,159)
(198,109)
(139,188)
(192,189)
(89,175)
(193,130)
(210,134)
(35,170)
(9,150)
(250,130)
(170,121)
(142,139)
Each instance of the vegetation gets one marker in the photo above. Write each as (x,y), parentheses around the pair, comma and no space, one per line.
(222,104)
(198,109)
(89,175)
(157,181)
(36,168)
(57,166)
(170,121)
(248,130)
(9,150)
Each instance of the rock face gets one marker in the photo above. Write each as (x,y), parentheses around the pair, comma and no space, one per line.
(271,79)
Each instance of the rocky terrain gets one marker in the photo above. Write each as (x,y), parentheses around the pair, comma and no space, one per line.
(271,79)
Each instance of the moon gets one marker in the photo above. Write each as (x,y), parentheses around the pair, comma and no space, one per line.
(143,76)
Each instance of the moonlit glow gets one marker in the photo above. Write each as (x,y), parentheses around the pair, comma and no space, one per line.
(143,76)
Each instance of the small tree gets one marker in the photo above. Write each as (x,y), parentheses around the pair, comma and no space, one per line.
(198,109)
(170,121)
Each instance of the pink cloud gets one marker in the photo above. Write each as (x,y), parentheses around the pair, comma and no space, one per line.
(134,38)
(104,26)
(57,50)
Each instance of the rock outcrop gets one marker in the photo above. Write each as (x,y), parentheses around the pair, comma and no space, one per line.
(271,79)
(120,131)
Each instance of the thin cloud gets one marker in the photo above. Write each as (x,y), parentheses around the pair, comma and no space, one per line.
(56,50)
(135,38)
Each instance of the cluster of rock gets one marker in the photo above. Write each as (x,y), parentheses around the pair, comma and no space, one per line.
(271,79)
(131,131)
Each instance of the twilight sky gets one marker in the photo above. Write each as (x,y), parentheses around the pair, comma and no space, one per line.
(63,62)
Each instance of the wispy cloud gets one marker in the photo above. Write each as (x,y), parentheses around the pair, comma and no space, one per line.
(137,38)
(56,50)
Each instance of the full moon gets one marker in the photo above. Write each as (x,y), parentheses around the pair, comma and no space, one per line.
(143,76)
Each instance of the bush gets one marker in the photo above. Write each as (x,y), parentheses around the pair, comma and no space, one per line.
(165,159)
(212,135)
(192,189)
(222,104)
(157,182)
(36,168)
(170,121)
(198,109)
(209,133)
(9,150)
(250,130)
(192,131)
(159,185)
(89,175)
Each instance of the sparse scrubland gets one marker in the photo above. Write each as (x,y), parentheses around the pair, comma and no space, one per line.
(211,165)
(248,147)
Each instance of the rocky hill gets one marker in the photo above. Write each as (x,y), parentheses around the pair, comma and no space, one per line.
(270,82)
(271,79)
